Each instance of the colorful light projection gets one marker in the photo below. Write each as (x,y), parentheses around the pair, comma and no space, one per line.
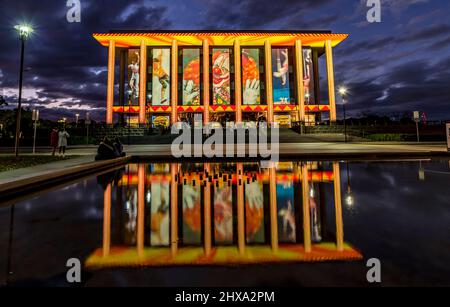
(280,80)
(159,224)
(308,76)
(254,212)
(161,77)
(251,76)
(223,213)
(221,76)
(286,212)
(133,76)
(160,121)
(191,213)
(191,76)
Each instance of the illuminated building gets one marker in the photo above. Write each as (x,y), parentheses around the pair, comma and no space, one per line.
(221,213)
(227,76)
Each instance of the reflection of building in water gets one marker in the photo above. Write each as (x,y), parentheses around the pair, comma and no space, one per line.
(218,213)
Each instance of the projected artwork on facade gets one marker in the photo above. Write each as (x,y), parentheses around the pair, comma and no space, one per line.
(191,76)
(280,67)
(230,77)
(308,79)
(221,76)
(250,76)
(161,77)
(133,75)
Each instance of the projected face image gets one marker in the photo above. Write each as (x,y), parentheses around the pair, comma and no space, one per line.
(221,77)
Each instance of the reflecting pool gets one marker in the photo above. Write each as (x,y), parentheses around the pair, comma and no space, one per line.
(236,224)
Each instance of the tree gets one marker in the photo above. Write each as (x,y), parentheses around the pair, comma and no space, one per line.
(3,101)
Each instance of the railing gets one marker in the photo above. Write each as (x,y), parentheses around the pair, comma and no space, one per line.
(429,131)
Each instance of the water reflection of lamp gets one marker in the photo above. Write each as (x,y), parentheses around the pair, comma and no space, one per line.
(129,92)
(312,192)
(349,199)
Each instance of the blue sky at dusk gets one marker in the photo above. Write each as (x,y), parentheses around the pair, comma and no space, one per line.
(399,65)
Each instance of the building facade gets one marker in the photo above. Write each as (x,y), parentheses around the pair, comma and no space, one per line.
(162,77)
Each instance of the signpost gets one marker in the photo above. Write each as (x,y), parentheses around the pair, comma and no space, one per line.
(35,118)
(447,128)
(87,122)
(417,120)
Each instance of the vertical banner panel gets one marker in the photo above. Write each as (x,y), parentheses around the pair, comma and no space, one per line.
(161,77)
(280,81)
(133,76)
(251,77)
(221,76)
(191,77)
(308,76)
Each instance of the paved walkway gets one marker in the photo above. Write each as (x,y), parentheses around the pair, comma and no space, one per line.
(43,169)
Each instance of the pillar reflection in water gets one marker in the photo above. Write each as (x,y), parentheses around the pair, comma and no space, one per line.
(220,209)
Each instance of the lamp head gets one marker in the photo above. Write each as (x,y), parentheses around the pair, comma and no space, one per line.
(342,91)
(24,30)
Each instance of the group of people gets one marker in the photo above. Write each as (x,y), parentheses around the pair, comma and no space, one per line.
(109,149)
(58,139)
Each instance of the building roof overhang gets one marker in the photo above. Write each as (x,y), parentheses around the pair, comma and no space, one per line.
(310,38)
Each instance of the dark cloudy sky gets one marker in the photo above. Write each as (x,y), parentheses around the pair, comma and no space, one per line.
(401,64)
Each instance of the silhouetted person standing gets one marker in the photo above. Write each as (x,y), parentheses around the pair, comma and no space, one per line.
(62,141)
(54,140)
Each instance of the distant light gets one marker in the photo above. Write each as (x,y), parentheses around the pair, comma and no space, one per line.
(24,30)
(349,200)
(342,91)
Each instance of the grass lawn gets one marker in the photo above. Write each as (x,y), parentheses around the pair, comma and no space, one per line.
(8,162)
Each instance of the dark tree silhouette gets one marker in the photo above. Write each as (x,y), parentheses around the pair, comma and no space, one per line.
(3,101)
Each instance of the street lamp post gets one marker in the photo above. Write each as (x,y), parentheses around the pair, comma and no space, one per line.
(24,33)
(343,92)
(35,118)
